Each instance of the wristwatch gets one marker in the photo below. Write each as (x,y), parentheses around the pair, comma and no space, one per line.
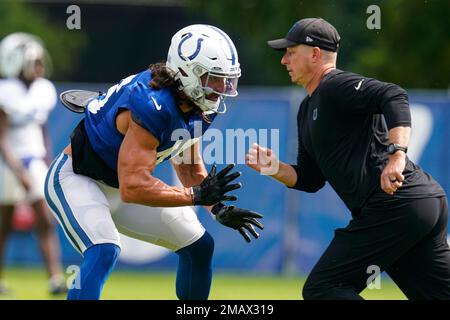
(393,148)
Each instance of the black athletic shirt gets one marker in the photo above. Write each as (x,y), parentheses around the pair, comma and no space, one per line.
(343,135)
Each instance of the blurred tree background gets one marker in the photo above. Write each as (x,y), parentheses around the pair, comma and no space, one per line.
(412,48)
(117,38)
(63,45)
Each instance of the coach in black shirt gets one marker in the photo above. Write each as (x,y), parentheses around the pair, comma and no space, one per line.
(353,133)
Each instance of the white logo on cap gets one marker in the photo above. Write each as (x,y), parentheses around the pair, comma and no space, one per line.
(359,85)
(308,39)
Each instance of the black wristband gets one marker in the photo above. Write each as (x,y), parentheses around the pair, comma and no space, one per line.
(194,191)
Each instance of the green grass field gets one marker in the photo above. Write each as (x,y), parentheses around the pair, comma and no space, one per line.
(31,284)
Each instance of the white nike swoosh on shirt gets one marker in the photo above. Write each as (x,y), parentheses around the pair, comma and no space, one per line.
(359,85)
(157,106)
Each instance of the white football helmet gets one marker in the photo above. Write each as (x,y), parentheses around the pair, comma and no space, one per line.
(19,52)
(206,62)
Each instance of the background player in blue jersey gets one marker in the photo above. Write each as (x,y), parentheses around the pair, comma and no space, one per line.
(124,135)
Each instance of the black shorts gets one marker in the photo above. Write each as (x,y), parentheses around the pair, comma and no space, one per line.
(408,240)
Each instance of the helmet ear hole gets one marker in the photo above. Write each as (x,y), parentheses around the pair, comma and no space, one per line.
(198,70)
(197,93)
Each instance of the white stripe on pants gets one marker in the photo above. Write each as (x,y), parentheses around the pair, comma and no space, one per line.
(80,205)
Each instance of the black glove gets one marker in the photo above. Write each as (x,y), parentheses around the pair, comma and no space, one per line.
(238,219)
(213,188)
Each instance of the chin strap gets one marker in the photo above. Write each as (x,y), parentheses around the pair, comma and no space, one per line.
(224,108)
(222,102)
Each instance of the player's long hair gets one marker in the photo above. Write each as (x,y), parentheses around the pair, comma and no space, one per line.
(162,77)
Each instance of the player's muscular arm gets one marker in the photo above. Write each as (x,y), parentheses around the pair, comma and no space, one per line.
(190,170)
(137,159)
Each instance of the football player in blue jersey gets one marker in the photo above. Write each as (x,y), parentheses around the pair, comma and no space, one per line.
(128,131)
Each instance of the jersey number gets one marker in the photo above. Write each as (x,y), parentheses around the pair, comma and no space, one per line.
(96,105)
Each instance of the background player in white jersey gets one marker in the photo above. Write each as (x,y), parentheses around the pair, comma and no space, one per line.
(26,98)
(123,136)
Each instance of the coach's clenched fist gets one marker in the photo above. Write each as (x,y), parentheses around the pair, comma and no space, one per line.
(262,160)
(392,178)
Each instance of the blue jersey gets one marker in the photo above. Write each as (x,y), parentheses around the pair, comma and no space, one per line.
(154,110)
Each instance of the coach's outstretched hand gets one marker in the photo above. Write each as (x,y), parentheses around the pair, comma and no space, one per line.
(238,219)
(263,160)
(213,188)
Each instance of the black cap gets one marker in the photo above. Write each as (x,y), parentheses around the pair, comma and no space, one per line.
(315,32)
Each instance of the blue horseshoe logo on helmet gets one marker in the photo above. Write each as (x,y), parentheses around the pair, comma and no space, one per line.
(197,50)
